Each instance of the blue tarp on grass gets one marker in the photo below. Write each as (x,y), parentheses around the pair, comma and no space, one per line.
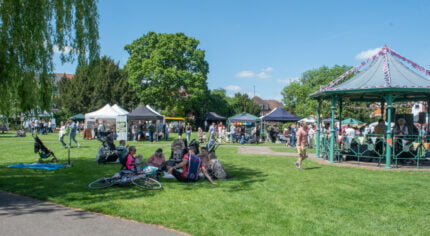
(37,166)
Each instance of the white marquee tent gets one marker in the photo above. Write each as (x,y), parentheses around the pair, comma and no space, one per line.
(119,110)
(106,112)
(112,115)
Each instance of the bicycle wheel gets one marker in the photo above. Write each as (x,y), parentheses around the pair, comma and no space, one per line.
(147,183)
(101,183)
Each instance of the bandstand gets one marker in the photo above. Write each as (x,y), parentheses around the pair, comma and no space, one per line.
(385,78)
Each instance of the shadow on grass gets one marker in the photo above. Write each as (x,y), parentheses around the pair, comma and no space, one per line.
(312,168)
(243,178)
(70,184)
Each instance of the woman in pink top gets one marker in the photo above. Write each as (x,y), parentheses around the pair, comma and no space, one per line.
(132,162)
(302,139)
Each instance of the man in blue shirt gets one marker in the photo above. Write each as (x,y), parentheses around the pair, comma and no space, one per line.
(73,130)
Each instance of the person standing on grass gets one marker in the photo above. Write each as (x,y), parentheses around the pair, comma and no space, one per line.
(73,130)
(188,132)
(62,133)
(302,138)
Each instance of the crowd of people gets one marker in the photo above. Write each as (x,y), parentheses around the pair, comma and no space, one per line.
(191,168)
(40,126)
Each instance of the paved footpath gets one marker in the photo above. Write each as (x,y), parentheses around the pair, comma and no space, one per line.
(265,150)
(26,216)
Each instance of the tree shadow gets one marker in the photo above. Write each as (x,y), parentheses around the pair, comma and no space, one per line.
(242,178)
(70,184)
(312,168)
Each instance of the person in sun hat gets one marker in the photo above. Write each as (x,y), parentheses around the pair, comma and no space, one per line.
(157,159)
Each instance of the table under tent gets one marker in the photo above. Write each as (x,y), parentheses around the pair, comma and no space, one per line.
(385,80)
(144,113)
(279,115)
(245,120)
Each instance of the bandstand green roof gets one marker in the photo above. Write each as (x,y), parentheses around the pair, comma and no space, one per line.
(385,74)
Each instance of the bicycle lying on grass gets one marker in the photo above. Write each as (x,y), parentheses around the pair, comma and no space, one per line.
(142,180)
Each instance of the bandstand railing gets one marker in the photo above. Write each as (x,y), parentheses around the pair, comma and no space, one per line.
(405,149)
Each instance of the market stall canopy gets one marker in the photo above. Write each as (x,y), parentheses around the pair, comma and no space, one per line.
(144,113)
(213,117)
(244,117)
(307,120)
(120,110)
(351,121)
(106,112)
(280,114)
(79,116)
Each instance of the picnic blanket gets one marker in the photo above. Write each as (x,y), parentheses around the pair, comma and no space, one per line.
(37,166)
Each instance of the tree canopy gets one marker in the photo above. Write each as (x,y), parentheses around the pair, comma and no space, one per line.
(168,71)
(29,33)
(218,102)
(95,84)
(296,94)
(243,103)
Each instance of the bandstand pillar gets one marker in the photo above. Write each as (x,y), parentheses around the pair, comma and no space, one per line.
(332,130)
(317,142)
(389,100)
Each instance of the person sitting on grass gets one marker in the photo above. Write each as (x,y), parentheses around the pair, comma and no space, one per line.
(192,165)
(132,163)
(242,140)
(121,150)
(157,159)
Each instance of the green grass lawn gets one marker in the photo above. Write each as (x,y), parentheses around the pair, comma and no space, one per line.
(266,196)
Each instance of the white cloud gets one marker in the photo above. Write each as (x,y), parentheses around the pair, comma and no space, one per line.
(367,54)
(65,50)
(263,75)
(245,74)
(233,88)
(287,81)
(268,69)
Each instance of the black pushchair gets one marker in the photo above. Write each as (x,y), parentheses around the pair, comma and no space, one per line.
(108,152)
(42,150)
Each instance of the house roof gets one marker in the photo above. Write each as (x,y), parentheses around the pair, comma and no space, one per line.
(65,75)
(272,103)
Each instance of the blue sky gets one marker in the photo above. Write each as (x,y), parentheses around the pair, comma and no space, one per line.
(268,43)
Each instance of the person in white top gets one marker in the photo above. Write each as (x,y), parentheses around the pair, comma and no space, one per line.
(349,133)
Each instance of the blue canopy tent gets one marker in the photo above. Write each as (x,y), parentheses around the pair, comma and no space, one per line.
(279,114)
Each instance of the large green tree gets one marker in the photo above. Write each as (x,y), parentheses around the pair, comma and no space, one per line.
(218,102)
(169,72)
(296,94)
(95,84)
(29,32)
(241,102)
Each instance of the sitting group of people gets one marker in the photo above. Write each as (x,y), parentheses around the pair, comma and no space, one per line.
(186,164)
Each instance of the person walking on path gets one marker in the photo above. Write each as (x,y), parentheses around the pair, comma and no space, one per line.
(302,138)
